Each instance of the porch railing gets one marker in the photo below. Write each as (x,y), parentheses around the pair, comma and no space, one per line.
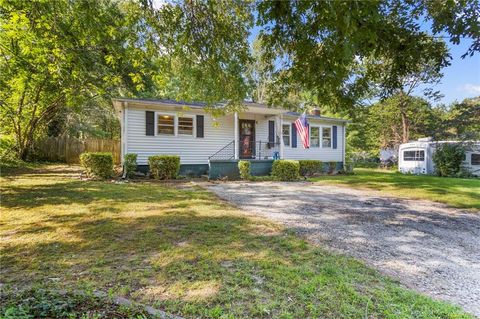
(258,150)
(225,153)
(266,150)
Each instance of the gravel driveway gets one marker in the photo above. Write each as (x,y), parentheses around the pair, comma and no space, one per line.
(427,246)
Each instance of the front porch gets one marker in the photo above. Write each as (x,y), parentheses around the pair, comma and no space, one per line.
(257,138)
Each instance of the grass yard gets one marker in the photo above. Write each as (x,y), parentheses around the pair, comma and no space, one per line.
(180,249)
(456,192)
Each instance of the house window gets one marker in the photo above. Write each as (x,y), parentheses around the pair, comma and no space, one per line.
(185,125)
(315,137)
(286,134)
(475,159)
(166,124)
(326,137)
(414,156)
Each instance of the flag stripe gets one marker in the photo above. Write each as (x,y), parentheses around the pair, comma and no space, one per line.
(302,127)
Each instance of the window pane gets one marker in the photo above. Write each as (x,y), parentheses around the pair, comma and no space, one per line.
(286,134)
(166,124)
(414,156)
(326,137)
(315,137)
(185,125)
(475,159)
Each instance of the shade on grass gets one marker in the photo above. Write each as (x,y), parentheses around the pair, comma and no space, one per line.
(181,249)
(456,192)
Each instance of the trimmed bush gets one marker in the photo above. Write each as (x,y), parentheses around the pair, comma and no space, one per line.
(244,168)
(130,164)
(286,170)
(310,167)
(164,166)
(97,164)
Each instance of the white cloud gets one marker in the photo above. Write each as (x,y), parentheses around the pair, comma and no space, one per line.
(158,4)
(471,88)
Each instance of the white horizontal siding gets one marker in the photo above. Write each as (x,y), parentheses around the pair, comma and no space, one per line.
(217,133)
(192,150)
(316,153)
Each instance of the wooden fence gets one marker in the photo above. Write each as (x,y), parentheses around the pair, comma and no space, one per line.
(68,149)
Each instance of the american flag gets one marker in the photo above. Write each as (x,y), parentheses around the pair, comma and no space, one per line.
(302,128)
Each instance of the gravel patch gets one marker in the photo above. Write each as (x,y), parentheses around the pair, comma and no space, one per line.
(427,246)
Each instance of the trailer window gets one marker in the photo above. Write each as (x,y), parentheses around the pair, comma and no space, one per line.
(475,159)
(414,156)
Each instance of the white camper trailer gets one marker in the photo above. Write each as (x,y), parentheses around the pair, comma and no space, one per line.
(417,157)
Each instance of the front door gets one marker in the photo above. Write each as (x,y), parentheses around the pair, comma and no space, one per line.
(247,138)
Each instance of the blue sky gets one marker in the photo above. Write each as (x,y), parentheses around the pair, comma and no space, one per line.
(462,78)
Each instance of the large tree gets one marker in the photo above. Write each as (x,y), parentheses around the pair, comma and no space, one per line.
(56,54)
(462,120)
(61,54)
(320,46)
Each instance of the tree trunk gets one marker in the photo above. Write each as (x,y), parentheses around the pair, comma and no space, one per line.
(405,120)
(405,128)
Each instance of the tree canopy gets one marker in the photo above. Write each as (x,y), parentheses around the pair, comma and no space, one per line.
(57,54)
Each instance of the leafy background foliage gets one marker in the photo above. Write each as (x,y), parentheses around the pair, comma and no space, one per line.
(62,61)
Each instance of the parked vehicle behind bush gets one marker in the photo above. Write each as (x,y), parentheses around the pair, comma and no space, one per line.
(164,166)
(97,164)
(286,170)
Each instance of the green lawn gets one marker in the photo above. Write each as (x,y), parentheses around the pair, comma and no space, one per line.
(180,249)
(456,192)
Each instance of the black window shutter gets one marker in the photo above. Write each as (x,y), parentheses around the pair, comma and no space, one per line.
(150,123)
(294,135)
(271,132)
(334,137)
(200,125)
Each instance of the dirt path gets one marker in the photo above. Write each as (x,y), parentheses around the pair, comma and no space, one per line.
(427,246)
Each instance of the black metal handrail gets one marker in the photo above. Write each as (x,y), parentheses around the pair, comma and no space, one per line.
(225,153)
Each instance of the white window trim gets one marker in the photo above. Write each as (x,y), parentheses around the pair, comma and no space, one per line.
(319,135)
(289,134)
(331,136)
(175,124)
(194,123)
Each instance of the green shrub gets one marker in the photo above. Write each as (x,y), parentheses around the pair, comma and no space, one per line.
(310,167)
(8,157)
(130,164)
(332,166)
(164,166)
(286,170)
(448,159)
(244,168)
(97,164)
(38,302)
